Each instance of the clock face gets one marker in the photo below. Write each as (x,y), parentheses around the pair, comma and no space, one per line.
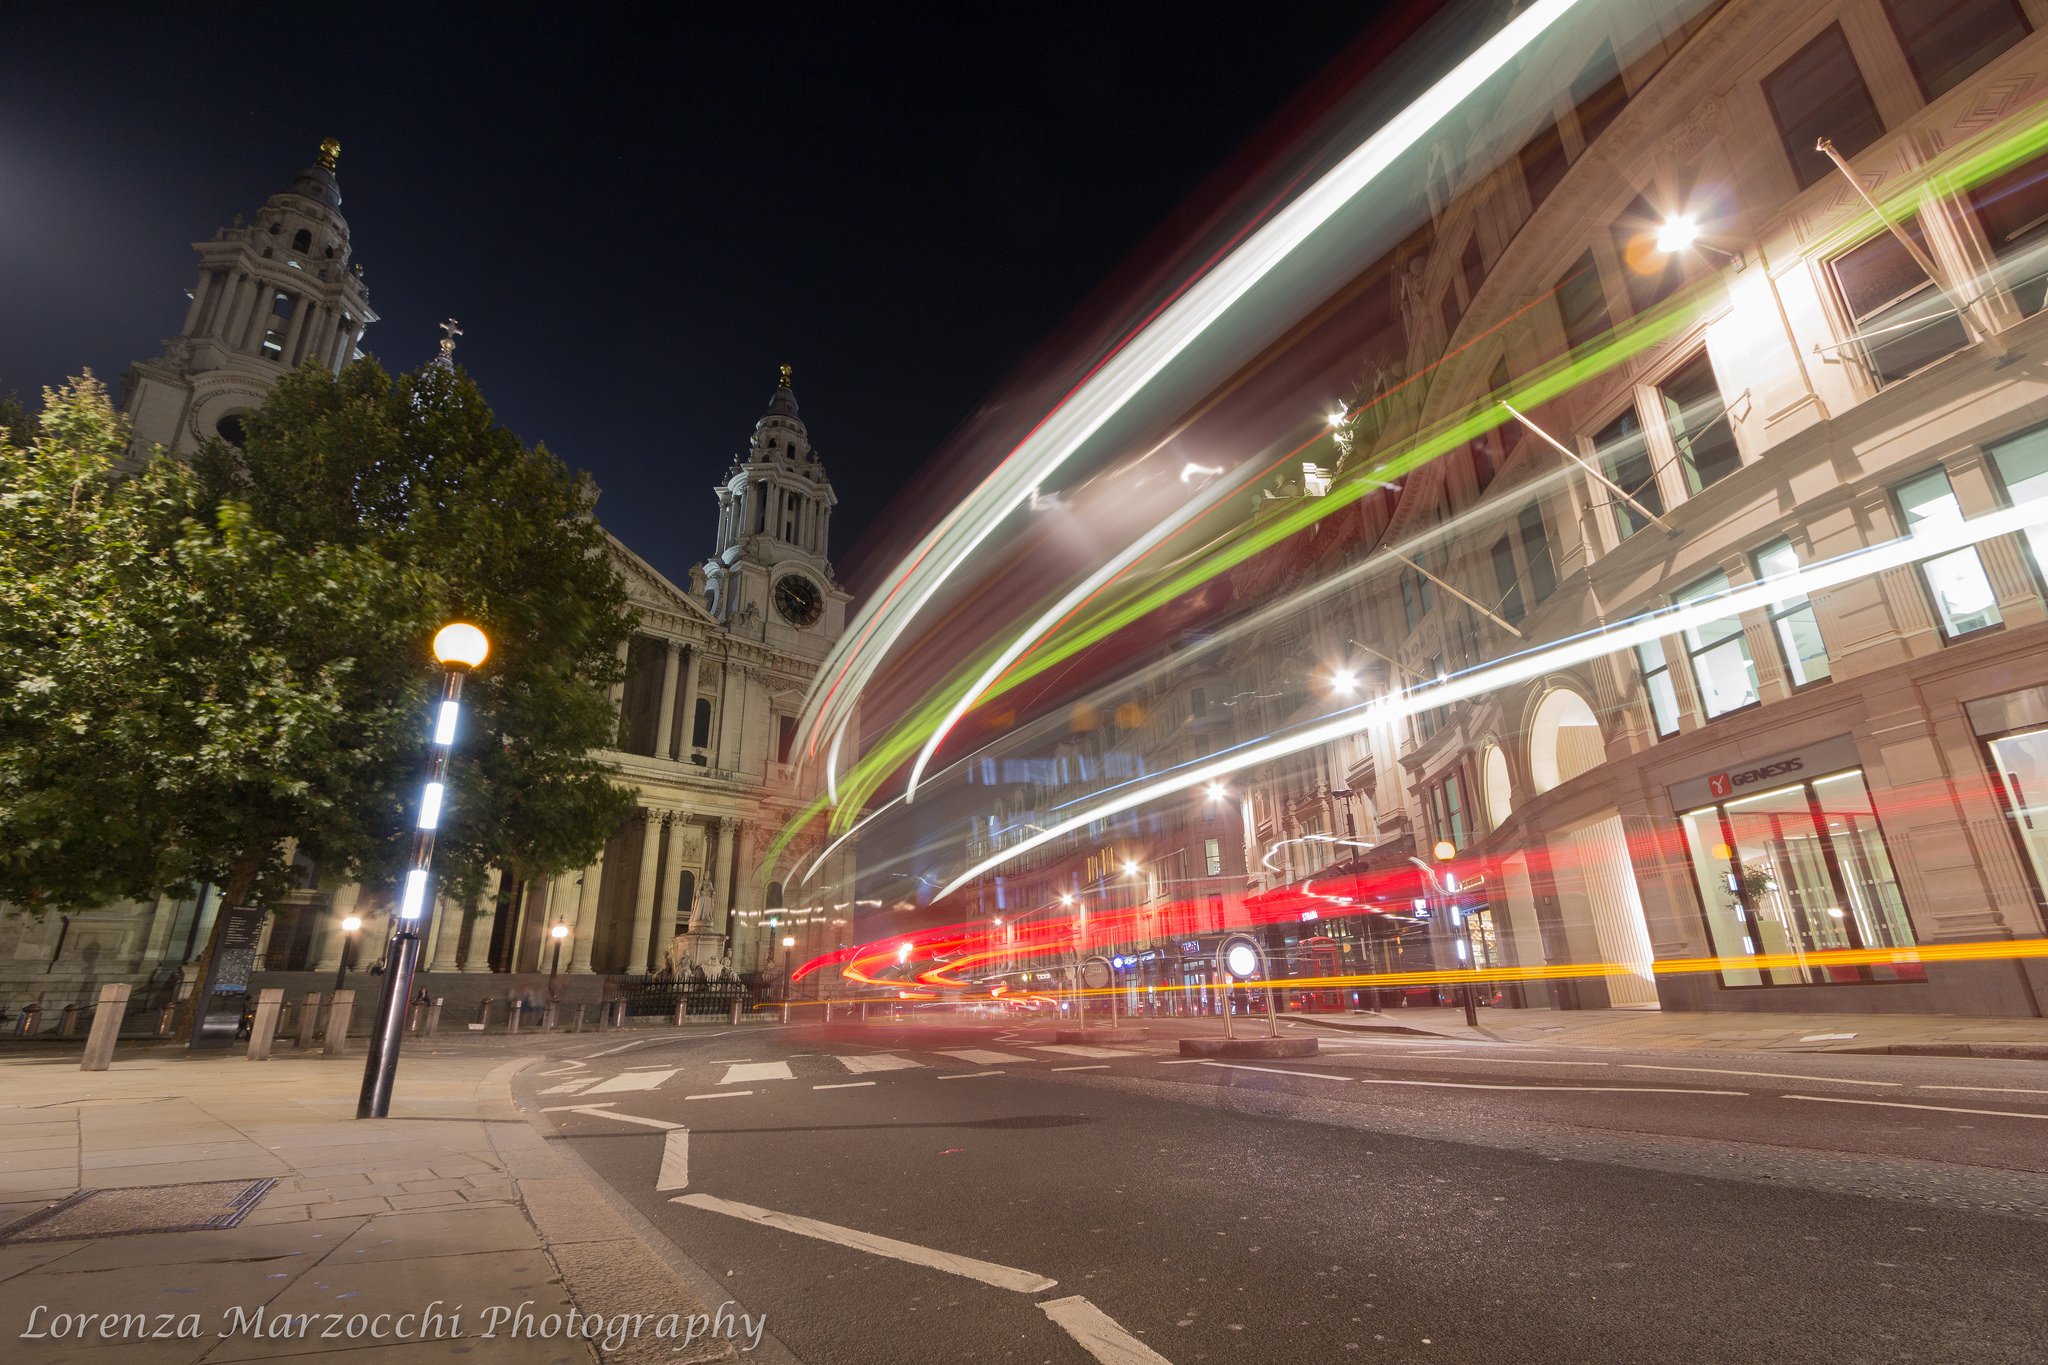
(799,600)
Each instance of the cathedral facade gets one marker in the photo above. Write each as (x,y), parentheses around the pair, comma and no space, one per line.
(716,674)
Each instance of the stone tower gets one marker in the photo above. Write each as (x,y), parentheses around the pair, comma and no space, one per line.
(271,295)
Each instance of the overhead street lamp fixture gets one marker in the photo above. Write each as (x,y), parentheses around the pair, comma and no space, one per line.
(458,647)
(559,932)
(1343,682)
(350,924)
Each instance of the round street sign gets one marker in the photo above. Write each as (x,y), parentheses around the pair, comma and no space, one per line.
(1095,973)
(1241,959)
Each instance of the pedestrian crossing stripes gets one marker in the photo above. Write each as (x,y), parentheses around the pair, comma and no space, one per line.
(981,1056)
(880,1061)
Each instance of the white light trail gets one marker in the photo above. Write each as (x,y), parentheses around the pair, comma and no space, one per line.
(1123,375)
(1385,711)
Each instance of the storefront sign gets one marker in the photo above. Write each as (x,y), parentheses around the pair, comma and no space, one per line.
(1773,770)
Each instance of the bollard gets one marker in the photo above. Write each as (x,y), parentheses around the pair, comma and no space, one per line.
(31,1015)
(415,1017)
(732,1015)
(579,1020)
(309,1020)
(483,1014)
(604,1015)
(513,1010)
(339,1006)
(682,1006)
(67,1023)
(269,1006)
(106,1027)
(434,1014)
(550,1017)
(165,1019)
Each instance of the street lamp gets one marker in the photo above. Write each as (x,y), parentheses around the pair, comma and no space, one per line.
(349,925)
(788,942)
(558,933)
(1344,682)
(1443,851)
(458,647)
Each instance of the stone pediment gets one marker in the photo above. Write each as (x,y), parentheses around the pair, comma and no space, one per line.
(647,586)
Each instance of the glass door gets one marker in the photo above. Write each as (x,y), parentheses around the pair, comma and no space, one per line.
(2021,762)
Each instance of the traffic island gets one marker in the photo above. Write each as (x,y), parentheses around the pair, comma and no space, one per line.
(1248,1047)
(1096,1035)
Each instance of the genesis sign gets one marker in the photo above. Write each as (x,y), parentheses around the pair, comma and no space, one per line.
(1828,756)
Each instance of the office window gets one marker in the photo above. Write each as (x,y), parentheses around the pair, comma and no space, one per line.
(1722,671)
(2013,211)
(1820,93)
(1962,594)
(1486,459)
(1792,618)
(1902,319)
(1509,603)
(1657,684)
(1699,425)
(1581,303)
(1447,805)
(1947,41)
(1624,456)
(1652,276)
(785,737)
(1543,163)
(1447,307)
(1598,95)
(1411,606)
(2022,465)
(1472,266)
(1536,553)
(1212,857)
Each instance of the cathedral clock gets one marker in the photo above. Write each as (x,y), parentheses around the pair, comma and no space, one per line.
(799,600)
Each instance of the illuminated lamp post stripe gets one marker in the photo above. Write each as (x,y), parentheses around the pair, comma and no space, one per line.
(459,647)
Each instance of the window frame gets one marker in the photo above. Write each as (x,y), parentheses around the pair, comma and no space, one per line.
(1799,156)
(1779,612)
(1701,692)
(1932,595)
(1926,88)
(1650,677)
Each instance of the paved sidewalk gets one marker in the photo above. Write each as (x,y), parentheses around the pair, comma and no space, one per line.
(454,1198)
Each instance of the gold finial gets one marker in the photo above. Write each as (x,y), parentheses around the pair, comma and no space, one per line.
(330,152)
(449,331)
(785,376)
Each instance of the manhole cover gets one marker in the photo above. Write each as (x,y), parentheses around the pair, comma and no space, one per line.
(145,1208)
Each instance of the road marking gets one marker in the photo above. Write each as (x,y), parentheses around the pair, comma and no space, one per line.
(966,1075)
(575,1108)
(988,1272)
(604,1111)
(1098,1066)
(1580,1089)
(647,1066)
(632,1080)
(756,1071)
(720,1095)
(727,1061)
(1184,1061)
(1930,1108)
(1723,1071)
(563,1070)
(1987,1089)
(1076,1050)
(675,1160)
(1098,1334)
(842,1085)
(622,1047)
(981,1056)
(1826,1037)
(1530,1061)
(881,1061)
(1277,1071)
(569,1087)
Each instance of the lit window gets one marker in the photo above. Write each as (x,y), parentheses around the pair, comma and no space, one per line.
(1962,593)
(1582,304)
(1947,41)
(1820,93)
(1625,458)
(2022,465)
(1699,424)
(1902,319)
(1657,683)
(1722,671)
(1792,618)
(1212,857)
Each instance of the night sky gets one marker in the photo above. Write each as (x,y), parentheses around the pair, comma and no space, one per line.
(638,218)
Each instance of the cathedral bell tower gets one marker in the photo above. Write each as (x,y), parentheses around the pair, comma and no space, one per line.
(271,295)
(770,577)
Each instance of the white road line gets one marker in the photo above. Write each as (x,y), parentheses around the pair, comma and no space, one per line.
(720,1095)
(575,1108)
(727,1061)
(1925,1108)
(1184,1061)
(1580,1089)
(1531,1061)
(880,1061)
(675,1161)
(622,1047)
(569,1087)
(1098,1066)
(842,1085)
(1098,1334)
(756,1071)
(966,1075)
(1277,1071)
(1077,1050)
(647,1066)
(632,1080)
(988,1272)
(604,1111)
(1987,1089)
(563,1070)
(1768,1075)
(981,1056)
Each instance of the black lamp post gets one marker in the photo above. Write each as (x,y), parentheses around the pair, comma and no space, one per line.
(349,925)
(559,933)
(459,647)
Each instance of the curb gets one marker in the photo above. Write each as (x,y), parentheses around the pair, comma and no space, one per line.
(1249,1047)
(1312,1022)
(2014,1052)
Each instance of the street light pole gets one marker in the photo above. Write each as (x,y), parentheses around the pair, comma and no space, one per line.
(349,925)
(788,942)
(459,647)
(1443,852)
(558,933)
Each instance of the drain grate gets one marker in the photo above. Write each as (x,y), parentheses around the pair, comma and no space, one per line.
(144,1208)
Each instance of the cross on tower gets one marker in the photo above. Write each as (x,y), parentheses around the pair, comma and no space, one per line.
(449,331)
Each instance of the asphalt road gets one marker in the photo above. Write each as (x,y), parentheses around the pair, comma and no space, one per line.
(1389,1200)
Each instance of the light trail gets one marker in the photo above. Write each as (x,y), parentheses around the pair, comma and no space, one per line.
(1655,625)
(1126,373)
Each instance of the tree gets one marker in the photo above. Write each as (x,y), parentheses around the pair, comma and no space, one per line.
(235,652)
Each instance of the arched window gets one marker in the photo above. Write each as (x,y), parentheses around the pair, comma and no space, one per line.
(1494,786)
(1564,739)
(229,429)
(700,724)
(302,240)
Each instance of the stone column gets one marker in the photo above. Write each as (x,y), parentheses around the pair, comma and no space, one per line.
(484,927)
(732,689)
(683,741)
(327,948)
(448,917)
(619,687)
(585,921)
(665,724)
(718,873)
(671,878)
(643,894)
(198,302)
(157,942)
(729,873)
(301,308)
(261,301)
